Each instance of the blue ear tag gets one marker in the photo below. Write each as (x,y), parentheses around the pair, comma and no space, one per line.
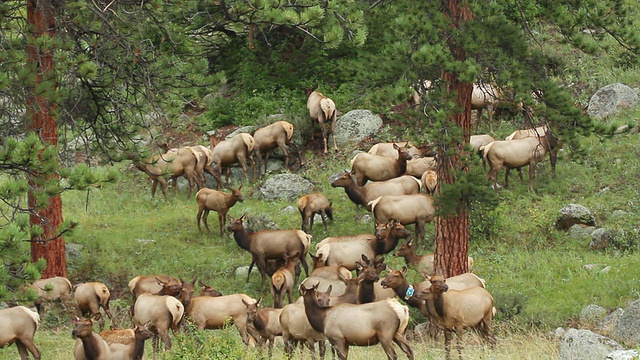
(409,292)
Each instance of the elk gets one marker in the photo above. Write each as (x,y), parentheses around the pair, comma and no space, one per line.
(127,344)
(456,310)
(228,152)
(149,284)
(365,166)
(312,204)
(429,181)
(406,209)
(204,157)
(265,320)
(478,141)
(57,288)
(296,328)
(484,96)
(267,138)
(215,312)
(418,166)
(322,109)
(270,244)
(171,165)
(218,201)
(19,325)
(329,272)
(554,145)
(422,263)
(89,345)
(208,290)
(90,297)
(343,325)
(161,313)
(386,149)
(282,281)
(362,195)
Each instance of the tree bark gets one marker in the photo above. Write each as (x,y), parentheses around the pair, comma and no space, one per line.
(41,110)
(452,233)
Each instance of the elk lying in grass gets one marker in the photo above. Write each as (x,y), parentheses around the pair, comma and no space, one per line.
(312,204)
(421,263)
(386,149)
(266,321)
(277,135)
(282,281)
(406,209)
(89,345)
(57,288)
(161,313)
(90,297)
(171,165)
(19,325)
(296,328)
(343,325)
(554,145)
(365,166)
(513,154)
(232,151)
(456,310)
(322,109)
(127,344)
(218,201)
(215,312)
(430,181)
(270,244)
(362,195)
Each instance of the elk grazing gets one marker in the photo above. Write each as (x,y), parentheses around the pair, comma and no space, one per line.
(228,152)
(322,109)
(312,204)
(365,166)
(406,209)
(277,135)
(127,344)
(270,244)
(513,154)
(421,263)
(386,149)
(204,157)
(538,132)
(429,181)
(171,165)
(19,325)
(57,288)
(215,312)
(90,297)
(282,281)
(266,321)
(343,325)
(161,313)
(484,96)
(218,201)
(362,195)
(89,345)
(478,141)
(456,310)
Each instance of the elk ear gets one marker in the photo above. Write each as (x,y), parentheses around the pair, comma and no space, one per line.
(329,288)
(404,270)
(245,303)
(395,146)
(160,282)
(365,258)
(259,301)
(194,279)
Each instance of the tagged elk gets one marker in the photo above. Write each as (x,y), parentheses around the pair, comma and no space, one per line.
(228,152)
(277,135)
(19,325)
(322,109)
(218,201)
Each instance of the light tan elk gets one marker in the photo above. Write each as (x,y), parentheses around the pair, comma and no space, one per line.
(554,145)
(382,322)
(127,344)
(478,141)
(232,151)
(312,204)
(365,166)
(171,165)
(90,297)
(57,288)
(161,313)
(362,195)
(19,325)
(277,135)
(386,149)
(89,345)
(218,201)
(484,96)
(204,157)
(296,329)
(429,181)
(407,209)
(282,281)
(456,310)
(323,110)
(215,312)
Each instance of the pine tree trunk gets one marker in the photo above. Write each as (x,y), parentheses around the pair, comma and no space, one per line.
(41,112)
(452,233)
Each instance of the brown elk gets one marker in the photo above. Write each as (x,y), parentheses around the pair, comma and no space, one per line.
(429,181)
(362,195)
(89,345)
(544,130)
(171,165)
(209,291)
(228,152)
(218,201)
(322,109)
(266,321)
(365,166)
(277,135)
(343,325)
(19,325)
(282,281)
(90,297)
(422,263)
(312,204)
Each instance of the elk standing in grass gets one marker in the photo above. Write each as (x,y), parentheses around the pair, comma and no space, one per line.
(19,325)
(89,345)
(57,288)
(322,109)
(365,166)
(228,152)
(312,204)
(215,312)
(282,281)
(277,135)
(90,297)
(175,163)
(362,195)
(218,201)
(266,321)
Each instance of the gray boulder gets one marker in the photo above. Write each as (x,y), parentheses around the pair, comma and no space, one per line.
(581,231)
(592,313)
(585,344)
(574,214)
(610,321)
(285,186)
(355,126)
(627,329)
(623,355)
(610,99)
(601,238)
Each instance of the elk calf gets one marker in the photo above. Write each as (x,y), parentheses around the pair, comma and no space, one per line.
(217,201)
(282,281)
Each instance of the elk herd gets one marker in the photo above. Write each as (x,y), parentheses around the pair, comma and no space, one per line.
(344,298)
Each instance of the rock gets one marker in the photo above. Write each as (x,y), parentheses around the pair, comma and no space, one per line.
(621,129)
(623,355)
(627,329)
(610,99)
(558,333)
(73,250)
(581,231)
(574,214)
(355,126)
(601,238)
(592,313)
(607,324)
(285,186)
(585,344)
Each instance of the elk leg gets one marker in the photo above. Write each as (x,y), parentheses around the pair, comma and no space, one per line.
(22,350)
(447,343)
(388,349)
(532,173)
(323,216)
(221,221)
